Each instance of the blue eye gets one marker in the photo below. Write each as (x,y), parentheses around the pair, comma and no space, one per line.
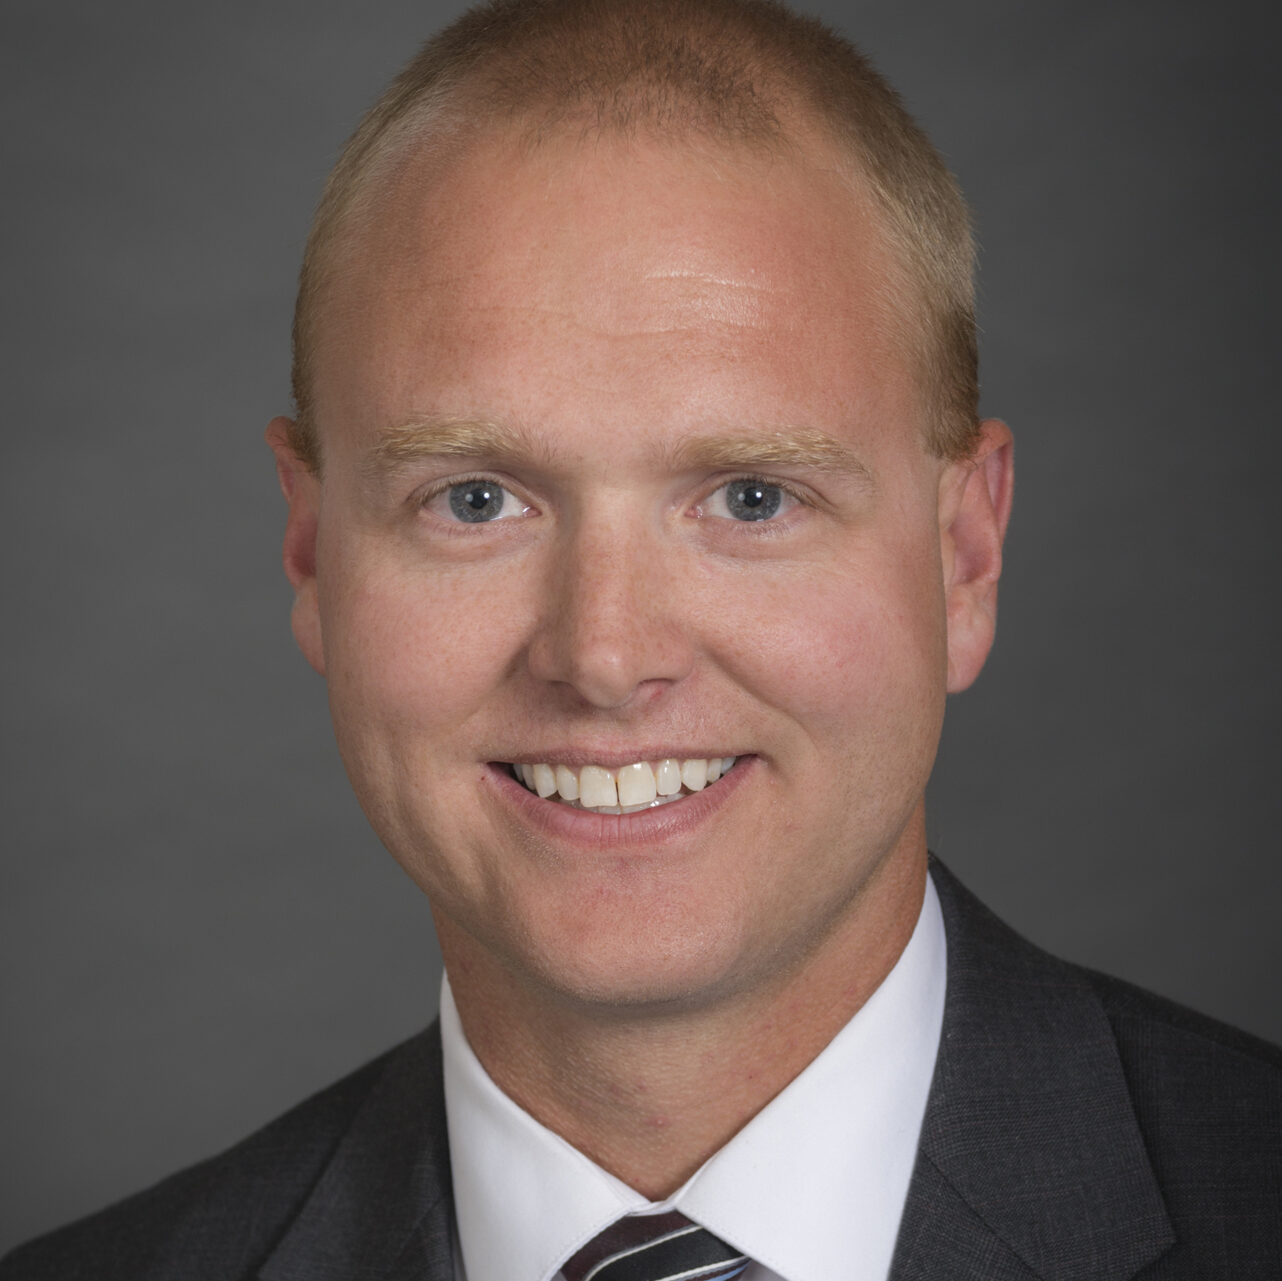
(476,500)
(752,499)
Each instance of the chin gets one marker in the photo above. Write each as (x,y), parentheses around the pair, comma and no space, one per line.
(644,968)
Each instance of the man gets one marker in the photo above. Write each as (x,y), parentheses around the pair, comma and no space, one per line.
(640,521)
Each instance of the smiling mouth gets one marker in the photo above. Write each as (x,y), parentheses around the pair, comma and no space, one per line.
(626,790)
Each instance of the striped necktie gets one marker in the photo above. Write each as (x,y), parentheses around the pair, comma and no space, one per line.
(656,1247)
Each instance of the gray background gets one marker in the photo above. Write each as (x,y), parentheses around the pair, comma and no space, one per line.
(198,927)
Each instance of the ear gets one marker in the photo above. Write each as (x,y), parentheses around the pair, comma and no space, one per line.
(302,492)
(975,498)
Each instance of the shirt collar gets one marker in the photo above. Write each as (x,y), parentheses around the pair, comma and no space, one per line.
(812,1187)
(524,1198)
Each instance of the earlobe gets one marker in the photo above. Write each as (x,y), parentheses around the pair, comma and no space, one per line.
(304,619)
(298,553)
(972,534)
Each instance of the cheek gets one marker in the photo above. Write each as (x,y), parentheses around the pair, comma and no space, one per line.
(410,650)
(851,648)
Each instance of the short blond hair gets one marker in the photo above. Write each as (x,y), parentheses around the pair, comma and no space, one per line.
(730,70)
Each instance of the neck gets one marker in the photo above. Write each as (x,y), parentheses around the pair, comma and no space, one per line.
(650,1096)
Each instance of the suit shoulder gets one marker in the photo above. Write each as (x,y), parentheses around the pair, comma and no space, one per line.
(1208,1100)
(1152,1025)
(1120,1075)
(219,1218)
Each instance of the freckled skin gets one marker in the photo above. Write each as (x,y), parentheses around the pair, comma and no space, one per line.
(613,300)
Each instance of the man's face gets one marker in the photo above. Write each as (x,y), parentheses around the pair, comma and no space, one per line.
(622,464)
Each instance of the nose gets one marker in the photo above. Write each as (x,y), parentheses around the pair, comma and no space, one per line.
(611,628)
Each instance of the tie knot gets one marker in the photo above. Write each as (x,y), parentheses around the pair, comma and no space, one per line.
(655,1247)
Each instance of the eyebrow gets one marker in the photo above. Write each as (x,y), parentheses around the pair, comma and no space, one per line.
(406,443)
(804,448)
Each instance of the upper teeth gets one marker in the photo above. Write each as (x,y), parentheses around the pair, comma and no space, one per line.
(629,787)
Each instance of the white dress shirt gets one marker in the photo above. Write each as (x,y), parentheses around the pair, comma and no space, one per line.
(812,1188)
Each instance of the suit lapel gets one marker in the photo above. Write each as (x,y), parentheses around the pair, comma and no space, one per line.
(941,1236)
(1031,1163)
(382,1210)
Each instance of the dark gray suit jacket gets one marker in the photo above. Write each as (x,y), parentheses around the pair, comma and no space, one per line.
(1077,1129)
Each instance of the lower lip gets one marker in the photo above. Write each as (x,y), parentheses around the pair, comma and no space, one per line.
(613,831)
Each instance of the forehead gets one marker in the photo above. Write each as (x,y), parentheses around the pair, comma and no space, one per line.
(671,271)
